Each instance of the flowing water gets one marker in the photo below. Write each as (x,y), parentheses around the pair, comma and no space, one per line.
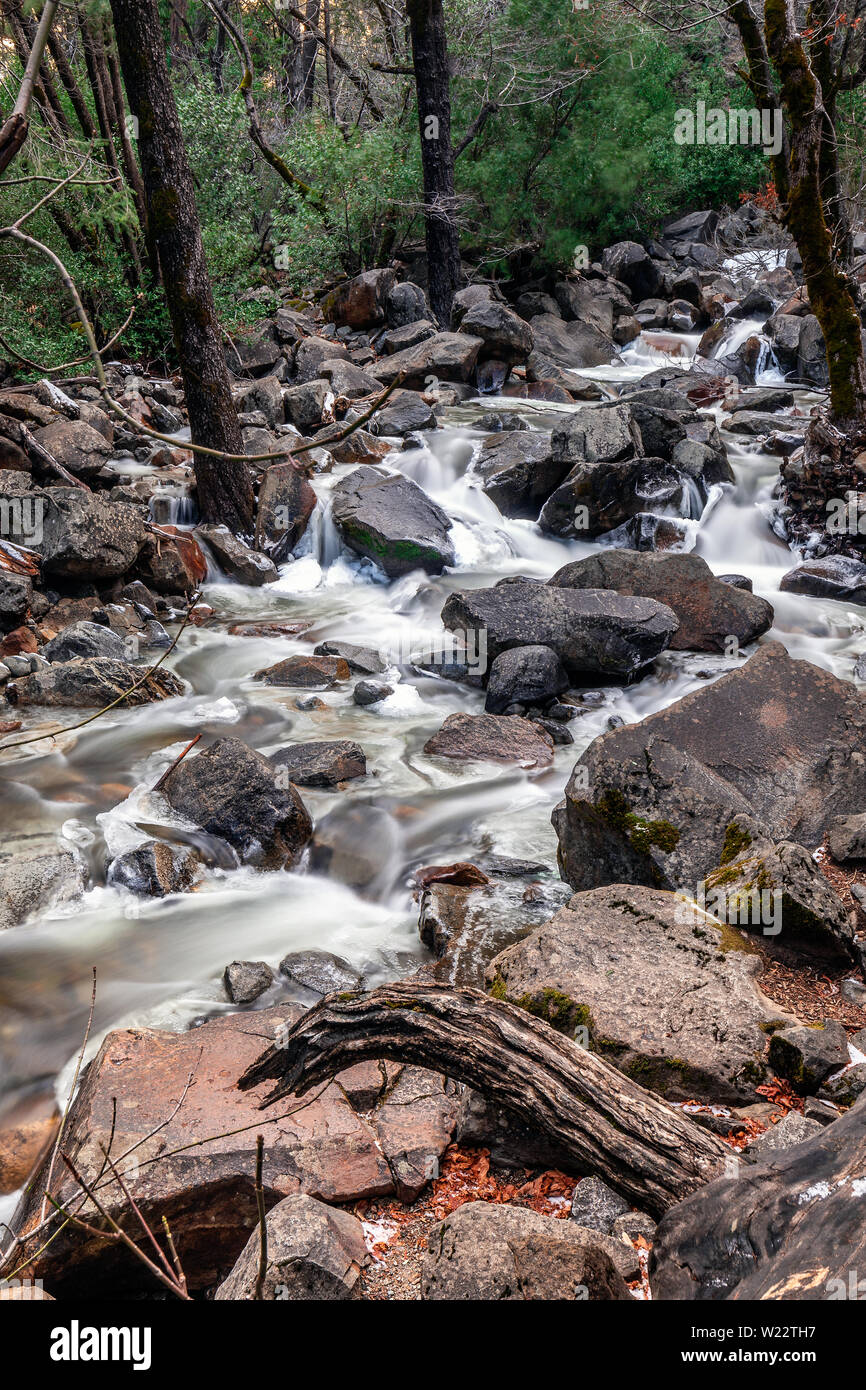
(159,963)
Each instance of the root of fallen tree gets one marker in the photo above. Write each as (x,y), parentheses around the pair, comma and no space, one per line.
(654,1155)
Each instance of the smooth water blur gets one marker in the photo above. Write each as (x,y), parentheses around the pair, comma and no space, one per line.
(159,963)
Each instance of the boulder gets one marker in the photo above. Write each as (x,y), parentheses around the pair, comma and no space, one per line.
(492,738)
(361,302)
(833,576)
(232,791)
(407,304)
(654,984)
(812,352)
(307,404)
(570,345)
(596,498)
(321,764)
(312,672)
(363,661)
(590,630)
(778,740)
(595,1206)
(390,520)
(93,682)
(85,639)
(311,353)
(263,397)
(371,692)
(155,869)
(172,562)
(320,973)
(404,412)
(793,1129)
(846,838)
(81,449)
(780,890)
(349,381)
(235,558)
(286,503)
(414,1123)
(445,356)
(315,1253)
(86,537)
(16,593)
(194,1161)
(526,676)
(806,1055)
(407,336)
(37,873)
(789,1227)
(629,263)
(247,980)
(505,335)
(489,1252)
(518,471)
(709,612)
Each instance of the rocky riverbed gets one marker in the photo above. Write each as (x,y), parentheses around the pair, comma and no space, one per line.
(506,681)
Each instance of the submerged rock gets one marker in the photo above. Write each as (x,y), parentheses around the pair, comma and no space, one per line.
(37,873)
(155,869)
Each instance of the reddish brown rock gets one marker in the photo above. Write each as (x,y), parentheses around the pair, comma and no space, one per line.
(187,1151)
(496,738)
(315,672)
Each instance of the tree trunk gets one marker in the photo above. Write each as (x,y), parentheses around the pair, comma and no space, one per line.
(805,217)
(430,61)
(651,1153)
(225,491)
(309,52)
(789,1228)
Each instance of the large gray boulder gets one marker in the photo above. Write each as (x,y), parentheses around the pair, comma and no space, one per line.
(654,983)
(80,448)
(590,630)
(445,356)
(574,344)
(777,739)
(286,503)
(85,639)
(94,682)
(389,519)
(488,1252)
(629,263)
(518,471)
(232,791)
(526,676)
(86,537)
(711,614)
(505,335)
(315,1253)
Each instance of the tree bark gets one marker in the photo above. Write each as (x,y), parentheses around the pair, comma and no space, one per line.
(804,213)
(651,1153)
(224,487)
(309,52)
(430,61)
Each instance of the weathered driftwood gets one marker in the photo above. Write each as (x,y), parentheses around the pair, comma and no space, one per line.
(652,1154)
(793,1226)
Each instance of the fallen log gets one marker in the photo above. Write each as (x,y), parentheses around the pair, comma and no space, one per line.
(652,1154)
(793,1226)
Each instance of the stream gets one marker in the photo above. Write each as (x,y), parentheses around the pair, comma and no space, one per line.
(160,962)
